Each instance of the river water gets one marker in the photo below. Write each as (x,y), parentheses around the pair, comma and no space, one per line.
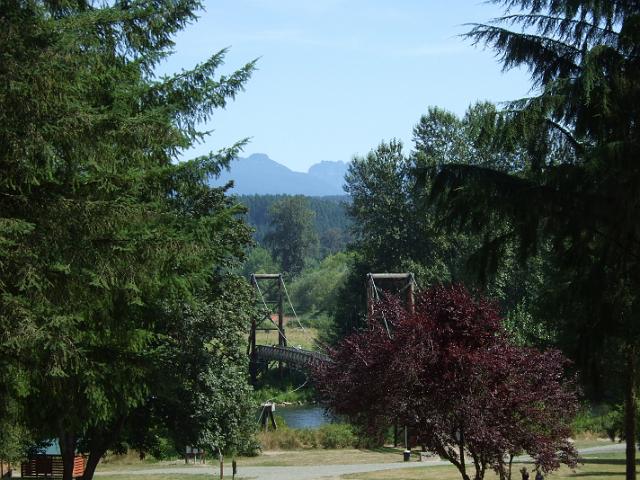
(295,416)
(303,416)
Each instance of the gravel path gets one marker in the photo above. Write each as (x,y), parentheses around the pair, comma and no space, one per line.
(317,471)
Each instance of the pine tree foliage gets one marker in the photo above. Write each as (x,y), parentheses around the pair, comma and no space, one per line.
(578,189)
(292,238)
(104,236)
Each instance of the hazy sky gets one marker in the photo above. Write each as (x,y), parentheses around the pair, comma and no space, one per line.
(336,77)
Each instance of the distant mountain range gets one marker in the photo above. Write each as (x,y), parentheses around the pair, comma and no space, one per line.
(258,174)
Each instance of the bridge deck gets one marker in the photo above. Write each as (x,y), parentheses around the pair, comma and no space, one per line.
(296,356)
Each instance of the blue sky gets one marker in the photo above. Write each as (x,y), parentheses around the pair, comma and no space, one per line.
(336,77)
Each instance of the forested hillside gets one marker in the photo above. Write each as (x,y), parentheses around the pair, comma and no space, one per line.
(331,221)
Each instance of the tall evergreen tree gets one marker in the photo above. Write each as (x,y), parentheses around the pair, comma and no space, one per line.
(105,238)
(578,187)
(292,238)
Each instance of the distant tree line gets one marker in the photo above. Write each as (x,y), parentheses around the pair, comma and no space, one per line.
(330,221)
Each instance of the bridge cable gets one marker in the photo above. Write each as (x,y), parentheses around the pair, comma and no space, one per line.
(293,309)
(384,318)
(304,330)
(306,380)
(269,314)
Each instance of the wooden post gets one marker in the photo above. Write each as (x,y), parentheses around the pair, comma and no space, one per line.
(370,296)
(395,433)
(282,339)
(253,364)
(411,304)
(253,360)
(407,451)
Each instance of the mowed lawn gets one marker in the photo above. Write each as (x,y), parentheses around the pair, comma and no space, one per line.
(602,467)
(273,458)
(296,336)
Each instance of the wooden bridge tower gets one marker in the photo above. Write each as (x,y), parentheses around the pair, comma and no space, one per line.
(402,284)
(272,299)
(395,283)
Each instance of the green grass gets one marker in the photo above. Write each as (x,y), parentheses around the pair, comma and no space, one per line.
(160,476)
(273,458)
(602,466)
(329,436)
(296,337)
(148,477)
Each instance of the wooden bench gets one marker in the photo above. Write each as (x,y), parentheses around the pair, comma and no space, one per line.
(50,466)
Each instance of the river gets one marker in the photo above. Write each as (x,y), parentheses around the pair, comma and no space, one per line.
(303,416)
(295,416)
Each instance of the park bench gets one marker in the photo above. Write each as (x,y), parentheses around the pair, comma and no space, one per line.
(50,466)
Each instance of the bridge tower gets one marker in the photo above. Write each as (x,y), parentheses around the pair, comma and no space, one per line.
(395,283)
(272,299)
(401,284)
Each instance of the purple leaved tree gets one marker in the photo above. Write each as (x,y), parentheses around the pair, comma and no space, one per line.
(450,373)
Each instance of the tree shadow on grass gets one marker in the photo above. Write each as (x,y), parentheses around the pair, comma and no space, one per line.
(385,449)
(605,461)
(601,474)
(597,474)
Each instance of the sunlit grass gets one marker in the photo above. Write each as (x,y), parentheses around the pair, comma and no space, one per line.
(296,337)
(602,466)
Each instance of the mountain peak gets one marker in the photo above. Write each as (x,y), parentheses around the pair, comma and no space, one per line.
(259,174)
(260,157)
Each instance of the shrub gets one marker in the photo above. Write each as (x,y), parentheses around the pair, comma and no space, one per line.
(599,421)
(337,435)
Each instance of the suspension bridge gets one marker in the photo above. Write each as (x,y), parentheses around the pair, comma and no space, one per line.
(272,293)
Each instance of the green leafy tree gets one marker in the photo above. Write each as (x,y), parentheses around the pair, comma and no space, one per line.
(578,186)
(292,239)
(315,290)
(390,228)
(105,239)
(259,260)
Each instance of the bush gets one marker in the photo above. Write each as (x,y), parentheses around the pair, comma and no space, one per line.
(600,421)
(282,439)
(337,435)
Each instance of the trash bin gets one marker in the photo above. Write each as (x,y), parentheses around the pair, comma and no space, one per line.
(407,455)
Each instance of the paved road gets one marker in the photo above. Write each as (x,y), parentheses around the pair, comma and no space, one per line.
(319,471)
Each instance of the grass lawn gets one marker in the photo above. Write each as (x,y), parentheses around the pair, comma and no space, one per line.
(295,336)
(268,459)
(601,466)
(155,477)
(321,456)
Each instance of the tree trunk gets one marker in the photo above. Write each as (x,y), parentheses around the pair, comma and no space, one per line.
(630,413)
(100,442)
(463,466)
(92,463)
(67,443)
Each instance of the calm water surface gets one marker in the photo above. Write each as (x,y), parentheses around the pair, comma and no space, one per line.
(303,416)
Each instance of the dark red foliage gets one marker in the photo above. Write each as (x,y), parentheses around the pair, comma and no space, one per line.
(450,373)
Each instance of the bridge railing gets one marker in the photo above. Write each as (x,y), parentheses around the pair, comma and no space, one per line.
(290,355)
